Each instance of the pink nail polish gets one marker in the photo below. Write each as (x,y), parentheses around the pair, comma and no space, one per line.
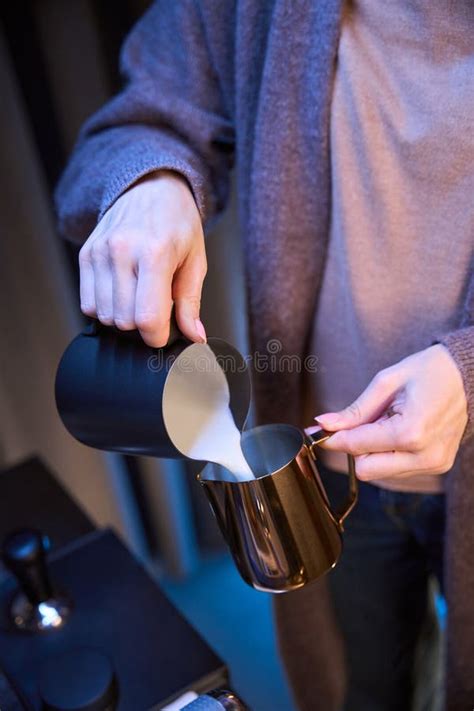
(200,329)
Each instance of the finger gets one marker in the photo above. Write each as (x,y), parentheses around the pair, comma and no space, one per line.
(374,467)
(414,483)
(124,284)
(153,300)
(87,286)
(383,435)
(102,281)
(187,288)
(368,406)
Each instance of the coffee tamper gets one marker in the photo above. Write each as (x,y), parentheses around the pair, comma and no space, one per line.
(37,606)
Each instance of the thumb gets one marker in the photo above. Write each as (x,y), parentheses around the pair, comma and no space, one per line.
(187,288)
(369,406)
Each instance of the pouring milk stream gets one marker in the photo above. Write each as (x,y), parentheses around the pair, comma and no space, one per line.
(197,414)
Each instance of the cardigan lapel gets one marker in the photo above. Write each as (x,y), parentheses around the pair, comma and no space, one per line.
(284,167)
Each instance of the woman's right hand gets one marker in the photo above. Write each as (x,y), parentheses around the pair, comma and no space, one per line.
(146,253)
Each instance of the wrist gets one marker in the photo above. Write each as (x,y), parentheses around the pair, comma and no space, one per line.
(159,177)
(460,346)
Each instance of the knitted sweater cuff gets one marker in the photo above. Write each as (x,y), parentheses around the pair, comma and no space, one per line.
(104,165)
(142,158)
(460,344)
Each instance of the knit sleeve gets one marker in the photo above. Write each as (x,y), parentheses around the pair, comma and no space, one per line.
(460,344)
(171,114)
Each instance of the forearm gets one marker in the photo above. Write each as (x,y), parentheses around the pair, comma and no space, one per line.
(105,165)
(170,115)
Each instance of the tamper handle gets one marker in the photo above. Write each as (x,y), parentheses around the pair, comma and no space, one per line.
(24,554)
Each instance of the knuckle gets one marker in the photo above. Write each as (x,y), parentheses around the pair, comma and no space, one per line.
(449,460)
(153,337)
(99,250)
(340,441)
(397,435)
(154,253)
(446,465)
(105,318)
(414,438)
(153,341)
(146,321)
(361,468)
(88,309)
(433,462)
(119,247)
(124,324)
(429,460)
(186,229)
(439,461)
(383,378)
(355,411)
(351,448)
(84,256)
(152,322)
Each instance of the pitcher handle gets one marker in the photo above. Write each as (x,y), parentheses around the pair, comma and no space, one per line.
(93,327)
(317,438)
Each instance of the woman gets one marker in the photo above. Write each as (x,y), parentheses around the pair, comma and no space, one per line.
(351,131)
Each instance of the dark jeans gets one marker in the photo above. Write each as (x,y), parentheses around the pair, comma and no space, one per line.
(382,590)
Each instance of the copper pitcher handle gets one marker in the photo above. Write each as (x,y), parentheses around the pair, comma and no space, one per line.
(342,512)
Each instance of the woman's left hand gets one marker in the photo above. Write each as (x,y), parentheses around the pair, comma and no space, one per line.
(408,422)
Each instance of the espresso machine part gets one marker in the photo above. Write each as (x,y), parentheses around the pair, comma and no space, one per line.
(216,700)
(37,606)
(10,699)
(228,700)
(81,679)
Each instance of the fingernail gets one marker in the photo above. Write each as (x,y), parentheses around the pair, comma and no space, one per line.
(200,329)
(312,430)
(329,418)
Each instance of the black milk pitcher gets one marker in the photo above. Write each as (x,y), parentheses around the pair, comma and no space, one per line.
(113,390)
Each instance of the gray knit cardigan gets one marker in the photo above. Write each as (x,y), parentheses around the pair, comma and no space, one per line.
(210,83)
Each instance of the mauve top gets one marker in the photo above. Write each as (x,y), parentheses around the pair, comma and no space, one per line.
(402,227)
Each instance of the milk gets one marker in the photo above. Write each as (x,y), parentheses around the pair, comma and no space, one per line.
(197,414)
